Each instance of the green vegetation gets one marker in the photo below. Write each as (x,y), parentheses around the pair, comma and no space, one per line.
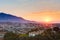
(23,35)
(11,36)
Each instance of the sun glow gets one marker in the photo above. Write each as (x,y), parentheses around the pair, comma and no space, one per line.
(47,19)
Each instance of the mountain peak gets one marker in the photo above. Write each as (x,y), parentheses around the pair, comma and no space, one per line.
(1,13)
(9,17)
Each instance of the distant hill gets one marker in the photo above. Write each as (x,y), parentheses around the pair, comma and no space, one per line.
(11,18)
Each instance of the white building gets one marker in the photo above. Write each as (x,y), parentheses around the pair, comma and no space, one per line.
(35,33)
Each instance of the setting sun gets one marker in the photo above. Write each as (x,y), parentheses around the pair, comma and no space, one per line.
(47,19)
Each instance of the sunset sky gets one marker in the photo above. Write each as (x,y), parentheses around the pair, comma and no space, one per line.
(37,10)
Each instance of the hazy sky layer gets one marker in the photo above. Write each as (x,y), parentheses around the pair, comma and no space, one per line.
(28,8)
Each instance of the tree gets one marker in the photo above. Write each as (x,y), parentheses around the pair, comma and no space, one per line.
(50,34)
(56,29)
(11,36)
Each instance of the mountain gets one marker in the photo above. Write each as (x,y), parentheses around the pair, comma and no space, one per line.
(11,18)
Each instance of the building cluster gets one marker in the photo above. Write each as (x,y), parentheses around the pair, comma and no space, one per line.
(23,28)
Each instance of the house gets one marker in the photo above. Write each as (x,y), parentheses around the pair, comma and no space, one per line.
(35,33)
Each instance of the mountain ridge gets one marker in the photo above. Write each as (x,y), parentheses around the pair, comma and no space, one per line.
(10,18)
(4,17)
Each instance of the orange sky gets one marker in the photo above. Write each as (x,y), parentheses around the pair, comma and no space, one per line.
(42,16)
